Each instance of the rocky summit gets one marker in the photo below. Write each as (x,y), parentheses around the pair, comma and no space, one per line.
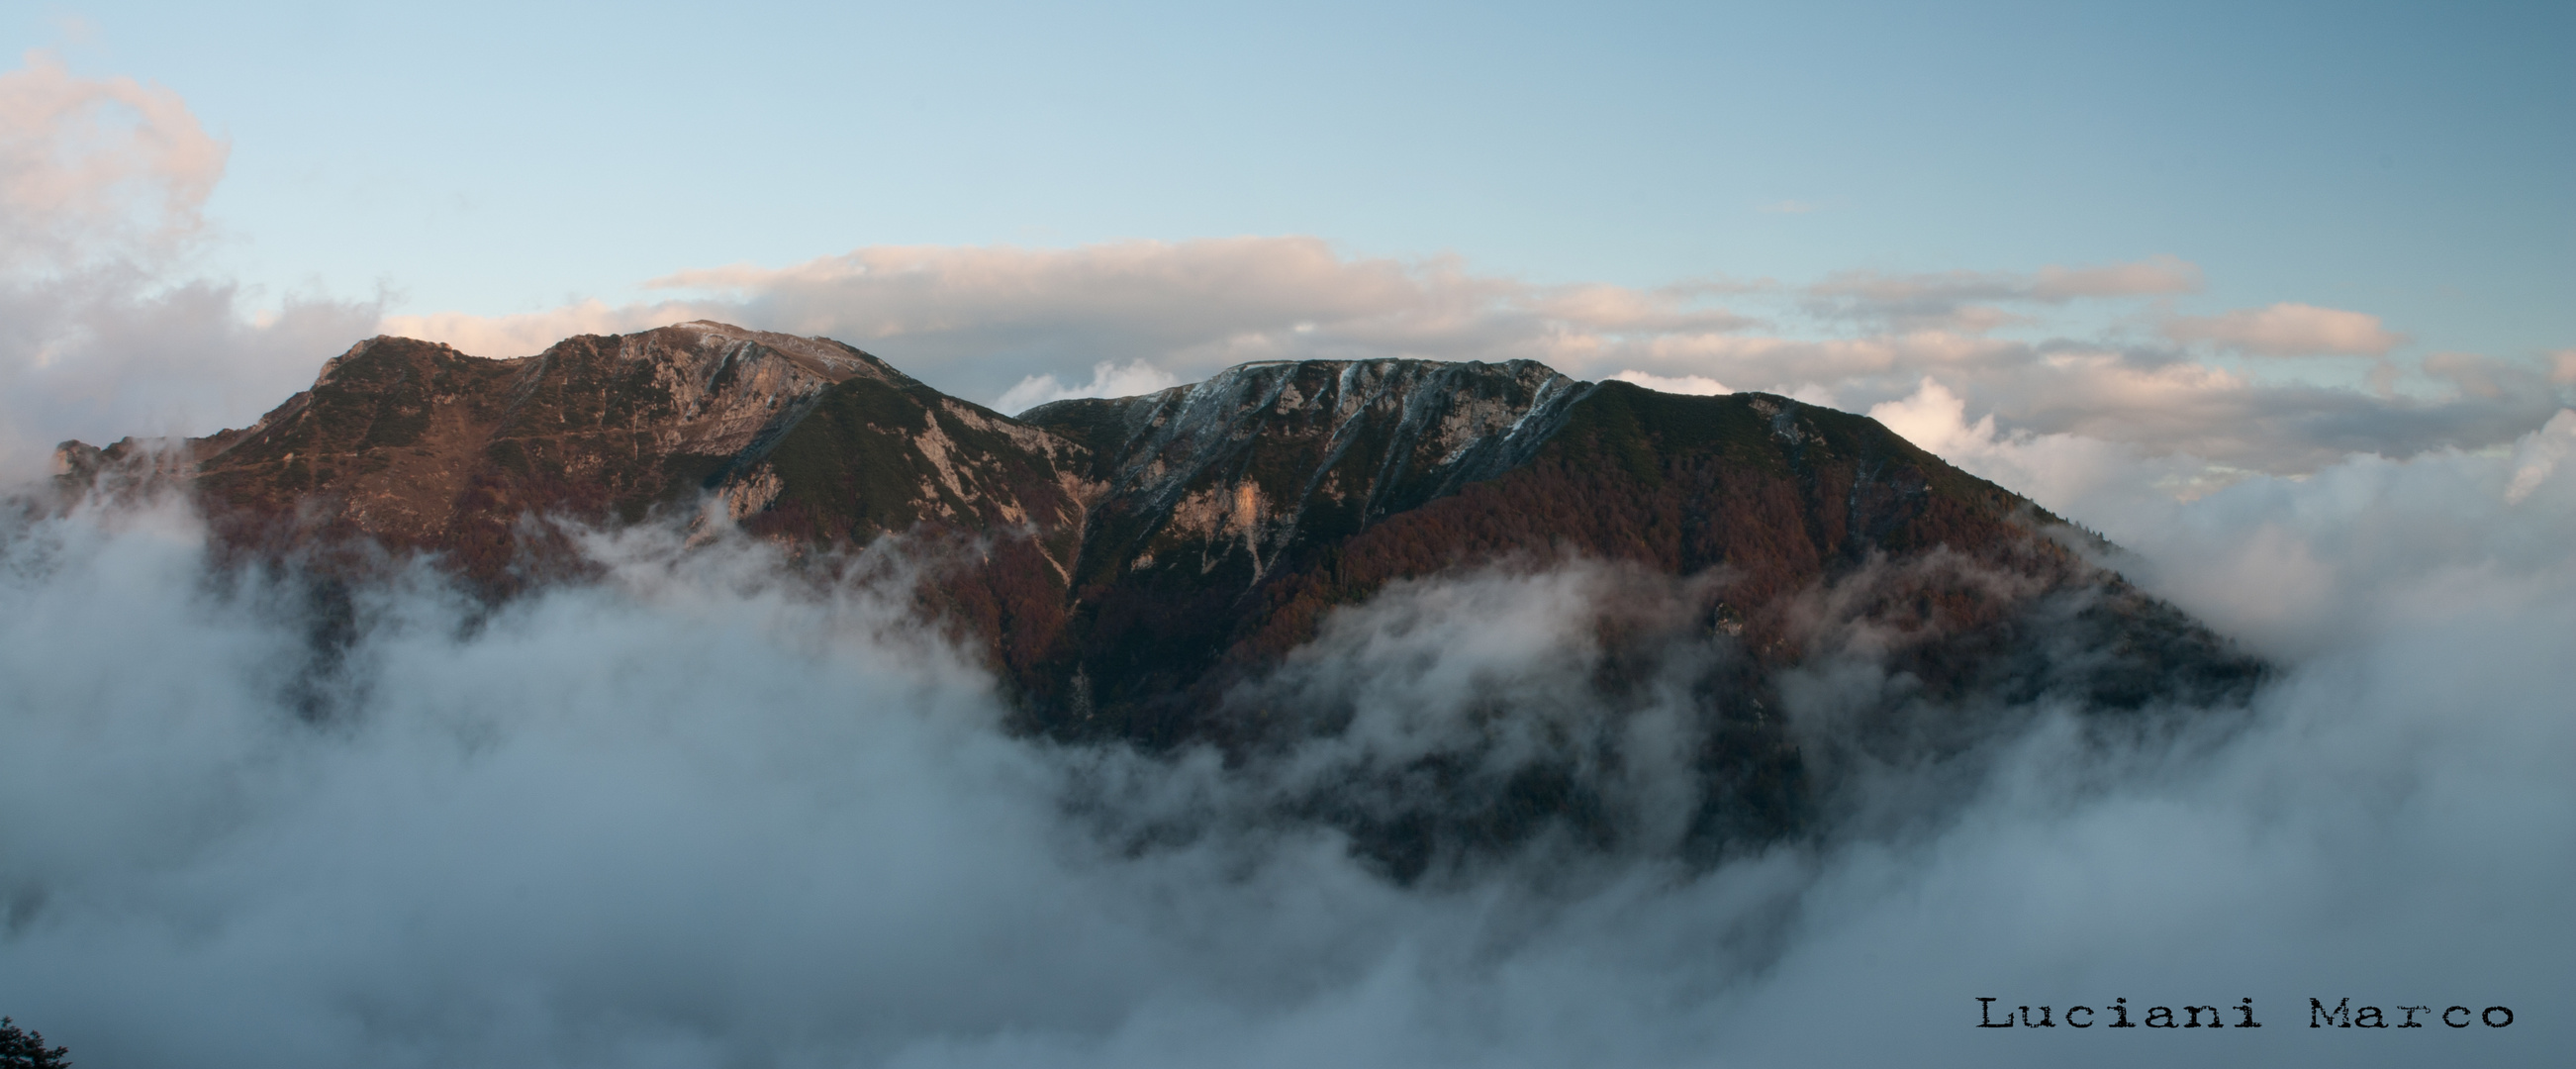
(1134,567)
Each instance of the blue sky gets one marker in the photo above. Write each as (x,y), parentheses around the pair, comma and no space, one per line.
(2413,159)
(2277,296)
(1843,202)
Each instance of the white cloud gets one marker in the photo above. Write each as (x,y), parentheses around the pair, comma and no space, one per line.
(2062,472)
(2153,276)
(983,321)
(1936,419)
(1691,384)
(102,188)
(1004,323)
(696,812)
(2289,330)
(529,333)
(93,168)
(2478,376)
(1969,301)
(1107,380)
(105,338)
(2537,457)
(2294,564)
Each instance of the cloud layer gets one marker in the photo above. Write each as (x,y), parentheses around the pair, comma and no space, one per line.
(2289,330)
(698,812)
(110,331)
(2090,350)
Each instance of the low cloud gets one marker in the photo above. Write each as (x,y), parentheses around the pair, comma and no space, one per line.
(700,811)
(2289,330)
(1690,384)
(1132,379)
(2360,544)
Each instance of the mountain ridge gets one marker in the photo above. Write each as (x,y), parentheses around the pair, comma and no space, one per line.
(1135,567)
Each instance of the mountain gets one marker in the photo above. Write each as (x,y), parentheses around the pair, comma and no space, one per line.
(1136,567)
(417,446)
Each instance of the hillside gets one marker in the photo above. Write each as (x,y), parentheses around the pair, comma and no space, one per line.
(1136,568)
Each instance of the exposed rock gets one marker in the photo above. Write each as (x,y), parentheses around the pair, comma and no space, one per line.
(1138,566)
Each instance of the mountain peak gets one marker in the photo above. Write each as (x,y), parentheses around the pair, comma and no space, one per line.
(822,356)
(1130,564)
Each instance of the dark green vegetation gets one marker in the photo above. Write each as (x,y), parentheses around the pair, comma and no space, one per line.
(26,1050)
(1142,569)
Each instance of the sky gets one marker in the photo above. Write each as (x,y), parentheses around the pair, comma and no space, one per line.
(495,158)
(2272,295)
(499,177)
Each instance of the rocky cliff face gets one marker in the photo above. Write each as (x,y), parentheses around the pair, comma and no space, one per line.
(1139,567)
(419,447)
(1239,471)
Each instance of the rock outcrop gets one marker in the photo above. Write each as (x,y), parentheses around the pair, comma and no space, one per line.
(1135,566)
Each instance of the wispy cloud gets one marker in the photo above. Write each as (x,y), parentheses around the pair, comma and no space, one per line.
(1011,324)
(694,811)
(1973,301)
(105,180)
(103,184)
(984,320)
(2289,330)
(95,168)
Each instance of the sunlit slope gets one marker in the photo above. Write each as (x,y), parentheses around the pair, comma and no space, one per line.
(1144,569)
(1243,509)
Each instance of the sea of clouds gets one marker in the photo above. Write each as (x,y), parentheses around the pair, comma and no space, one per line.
(699,812)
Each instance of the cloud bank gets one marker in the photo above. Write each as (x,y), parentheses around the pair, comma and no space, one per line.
(2085,349)
(697,813)
(2289,330)
(700,813)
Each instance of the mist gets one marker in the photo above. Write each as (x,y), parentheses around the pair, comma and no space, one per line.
(702,811)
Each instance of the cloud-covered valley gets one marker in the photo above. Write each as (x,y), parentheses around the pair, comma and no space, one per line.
(700,810)
(697,812)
